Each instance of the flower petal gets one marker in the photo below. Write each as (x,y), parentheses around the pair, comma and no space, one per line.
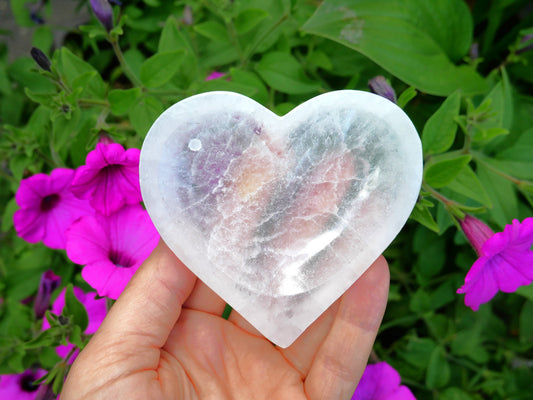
(87,242)
(132,233)
(29,224)
(106,278)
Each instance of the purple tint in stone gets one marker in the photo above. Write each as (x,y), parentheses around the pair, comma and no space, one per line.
(205,160)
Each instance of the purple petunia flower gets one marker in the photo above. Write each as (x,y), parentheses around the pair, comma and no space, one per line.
(20,386)
(112,247)
(110,178)
(47,208)
(96,311)
(505,260)
(381,382)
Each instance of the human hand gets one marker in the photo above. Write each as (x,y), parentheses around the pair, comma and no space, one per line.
(164,338)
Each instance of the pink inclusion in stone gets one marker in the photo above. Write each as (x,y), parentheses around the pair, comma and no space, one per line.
(48,207)
(112,247)
(381,382)
(20,386)
(96,311)
(505,260)
(109,179)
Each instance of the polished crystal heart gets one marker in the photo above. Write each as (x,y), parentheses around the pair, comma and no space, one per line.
(280,215)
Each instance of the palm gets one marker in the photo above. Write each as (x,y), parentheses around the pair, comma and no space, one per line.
(146,353)
(214,358)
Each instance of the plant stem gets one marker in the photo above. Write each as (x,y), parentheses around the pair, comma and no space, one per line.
(123,63)
(230,27)
(93,102)
(443,199)
(251,50)
(480,158)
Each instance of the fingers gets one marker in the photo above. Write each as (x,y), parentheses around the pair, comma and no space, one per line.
(302,352)
(204,299)
(342,357)
(150,305)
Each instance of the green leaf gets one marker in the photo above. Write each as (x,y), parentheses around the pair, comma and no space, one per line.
(502,193)
(284,73)
(46,338)
(73,67)
(438,372)
(212,30)
(9,211)
(320,59)
(467,183)
(64,128)
(160,68)
(249,19)
(250,79)
(406,96)
(122,100)
(468,343)
(23,70)
(269,29)
(43,38)
(526,291)
(455,393)
(526,323)
(443,169)
(17,165)
(172,39)
(418,352)
(143,115)
(5,85)
(439,131)
(422,214)
(415,40)
(74,309)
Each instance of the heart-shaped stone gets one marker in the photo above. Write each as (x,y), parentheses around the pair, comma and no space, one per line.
(280,215)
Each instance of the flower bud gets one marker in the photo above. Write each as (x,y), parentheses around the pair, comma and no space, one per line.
(187,15)
(526,44)
(49,282)
(45,393)
(379,85)
(103,11)
(473,52)
(476,231)
(105,138)
(41,59)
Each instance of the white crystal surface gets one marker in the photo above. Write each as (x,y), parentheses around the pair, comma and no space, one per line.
(280,215)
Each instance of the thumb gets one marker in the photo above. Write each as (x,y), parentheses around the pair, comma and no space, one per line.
(150,305)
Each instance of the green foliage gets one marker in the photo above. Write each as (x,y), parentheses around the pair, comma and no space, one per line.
(413,40)
(474,115)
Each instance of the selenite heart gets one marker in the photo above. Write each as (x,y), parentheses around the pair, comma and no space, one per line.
(280,215)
